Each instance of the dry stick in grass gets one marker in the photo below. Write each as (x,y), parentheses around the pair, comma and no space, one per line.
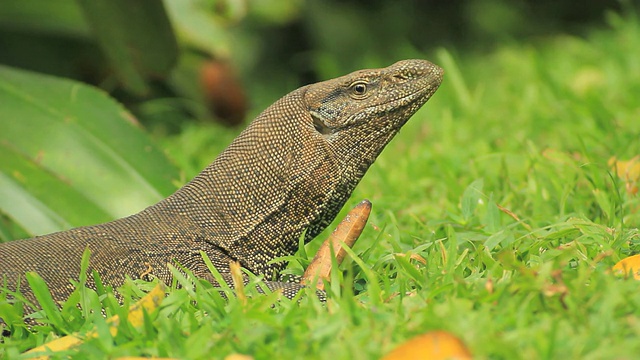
(346,233)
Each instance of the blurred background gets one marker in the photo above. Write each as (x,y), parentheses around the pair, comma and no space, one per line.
(225,60)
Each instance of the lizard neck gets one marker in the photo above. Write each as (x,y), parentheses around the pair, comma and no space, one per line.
(256,199)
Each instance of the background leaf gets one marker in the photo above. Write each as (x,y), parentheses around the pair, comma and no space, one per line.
(60,141)
(136,37)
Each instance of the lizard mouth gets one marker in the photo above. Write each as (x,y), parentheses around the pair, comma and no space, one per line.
(418,88)
(410,103)
(402,108)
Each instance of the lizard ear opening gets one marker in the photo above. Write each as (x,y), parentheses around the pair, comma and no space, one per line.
(320,124)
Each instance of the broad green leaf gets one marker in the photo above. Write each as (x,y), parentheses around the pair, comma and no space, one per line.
(71,156)
(197,26)
(135,36)
(60,17)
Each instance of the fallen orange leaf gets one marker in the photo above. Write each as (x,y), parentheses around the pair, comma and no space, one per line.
(628,265)
(144,358)
(434,345)
(347,233)
(238,357)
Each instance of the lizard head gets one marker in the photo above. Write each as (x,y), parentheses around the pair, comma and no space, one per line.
(355,116)
(378,101)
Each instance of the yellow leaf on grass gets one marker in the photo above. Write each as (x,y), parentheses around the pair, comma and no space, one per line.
(143,358)
(629,171)
(238,357)
(147,304)
(628,265)
(136,317)
(434,345)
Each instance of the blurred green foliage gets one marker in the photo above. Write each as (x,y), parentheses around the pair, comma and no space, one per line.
(71,156)
(129,48)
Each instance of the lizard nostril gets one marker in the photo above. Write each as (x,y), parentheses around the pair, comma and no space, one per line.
(401,77)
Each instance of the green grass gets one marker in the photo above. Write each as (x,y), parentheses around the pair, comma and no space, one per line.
(528,128)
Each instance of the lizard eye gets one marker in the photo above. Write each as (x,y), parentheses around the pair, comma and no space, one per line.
(359,88)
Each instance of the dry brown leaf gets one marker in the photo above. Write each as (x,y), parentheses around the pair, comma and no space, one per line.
(238,281)
(434,345)
(514,217)
(555,289)
(489,286)
(415,257)
(346,232)
(223,92)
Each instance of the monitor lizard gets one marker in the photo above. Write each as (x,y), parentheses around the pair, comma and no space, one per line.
(287,174)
